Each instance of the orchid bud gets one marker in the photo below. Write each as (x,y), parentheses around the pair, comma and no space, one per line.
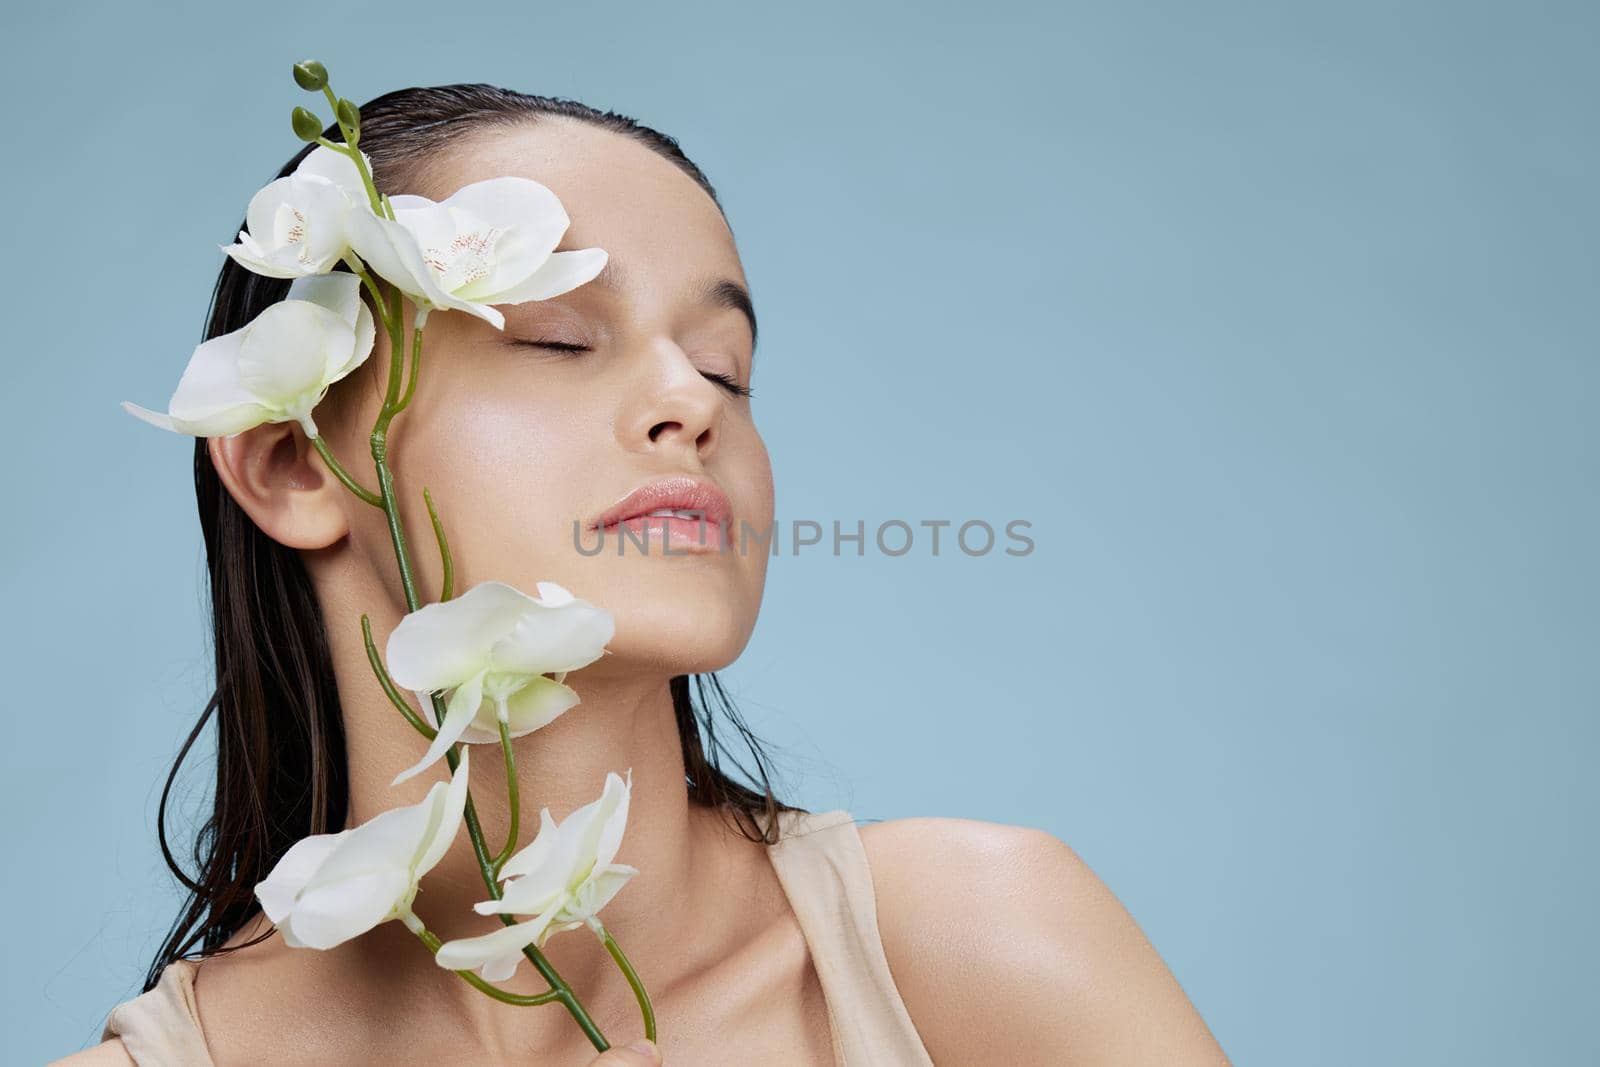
(307,126)
(311,75)
(349,117)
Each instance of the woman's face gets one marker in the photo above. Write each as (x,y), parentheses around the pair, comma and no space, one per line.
(516,443)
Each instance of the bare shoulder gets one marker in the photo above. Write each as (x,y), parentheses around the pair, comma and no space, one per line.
(984,920)
(106,1054)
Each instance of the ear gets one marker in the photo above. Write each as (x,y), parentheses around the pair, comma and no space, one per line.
(281,482)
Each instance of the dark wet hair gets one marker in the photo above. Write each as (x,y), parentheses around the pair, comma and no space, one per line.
(280,766)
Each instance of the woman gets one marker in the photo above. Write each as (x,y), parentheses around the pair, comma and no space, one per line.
(765,934)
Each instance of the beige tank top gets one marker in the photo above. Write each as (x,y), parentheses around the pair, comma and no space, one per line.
(823,867)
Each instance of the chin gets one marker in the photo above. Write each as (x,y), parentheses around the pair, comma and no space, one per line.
(688,614)
(672,635)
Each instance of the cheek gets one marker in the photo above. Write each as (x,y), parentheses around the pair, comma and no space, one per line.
(762,490)
(751,476)
(750,486)
(508,473)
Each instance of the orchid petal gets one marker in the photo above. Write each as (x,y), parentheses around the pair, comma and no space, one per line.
(598,889)
(510,201)
(390,839)
(613,815)
(561,273)
(211,383)
(529,894)
(285,352)
(336,167)
(562,874)
(452,805)
(261,214)
(293,870)
(328,888)
(559,927)
(365,333)
(392,252)
(325,238)
(536,704)
(528,222)
(502,968)
(441,644)
(273,247)
(295,226)
(410,202)
(458,713)
(535,854)
(542,876)
(277,367)
(328,914)
(547,639)
(434,227)
(339,292)
(397,252)
(470,952)
(552,595)
(223,423)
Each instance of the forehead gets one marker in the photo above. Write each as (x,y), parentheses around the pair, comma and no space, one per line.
(655,222)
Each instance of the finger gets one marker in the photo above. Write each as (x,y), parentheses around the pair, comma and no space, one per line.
(640,1053)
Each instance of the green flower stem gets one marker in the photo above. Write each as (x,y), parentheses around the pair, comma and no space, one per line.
(444,549)
(416,359)
(428,938)
(354,263)
(475,833)
(380,206)
(388,683)
(361,168)
(339,472)
(397,353)
(559,989)
(511,798)
(333,105)
(633,979)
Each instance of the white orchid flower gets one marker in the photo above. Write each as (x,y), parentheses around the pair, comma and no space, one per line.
(493,645)
(491,242)
(296,225)
(329,888)
(277,367)
(564,877)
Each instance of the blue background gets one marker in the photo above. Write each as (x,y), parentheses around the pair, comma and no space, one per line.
(1278,322)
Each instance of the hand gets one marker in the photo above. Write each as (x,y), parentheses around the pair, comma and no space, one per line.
(641,1053)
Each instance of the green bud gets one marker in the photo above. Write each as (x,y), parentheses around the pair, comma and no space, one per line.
(310,75)
(349,115)
(307,126)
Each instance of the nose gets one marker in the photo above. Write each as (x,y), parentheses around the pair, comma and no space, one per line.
(671,407)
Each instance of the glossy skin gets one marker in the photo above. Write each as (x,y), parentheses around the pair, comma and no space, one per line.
(514,442)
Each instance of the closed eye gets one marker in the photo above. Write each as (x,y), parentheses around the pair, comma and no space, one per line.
(559,346)
(730,384)
(727,382)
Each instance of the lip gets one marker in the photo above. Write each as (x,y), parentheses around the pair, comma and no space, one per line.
(682,493)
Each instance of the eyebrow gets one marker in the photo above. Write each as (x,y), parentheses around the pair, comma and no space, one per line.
(721,292)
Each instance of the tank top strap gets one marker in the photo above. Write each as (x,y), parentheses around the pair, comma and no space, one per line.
(161,1027)
(823,868)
